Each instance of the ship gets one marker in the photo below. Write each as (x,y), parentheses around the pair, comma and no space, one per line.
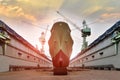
(60,47)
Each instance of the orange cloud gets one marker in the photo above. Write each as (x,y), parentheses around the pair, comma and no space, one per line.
(50,4)
(109,8)
(92,10)
(15,12)
(110,15)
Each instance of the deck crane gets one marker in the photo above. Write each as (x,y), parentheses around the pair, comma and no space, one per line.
(86,31)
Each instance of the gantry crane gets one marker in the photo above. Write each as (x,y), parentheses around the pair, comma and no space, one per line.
(86,31)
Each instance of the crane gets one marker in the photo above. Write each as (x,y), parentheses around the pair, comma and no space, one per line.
(69,20)
(86,31)
(42,39)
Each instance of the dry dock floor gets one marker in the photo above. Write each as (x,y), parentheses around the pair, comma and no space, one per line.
(72,75)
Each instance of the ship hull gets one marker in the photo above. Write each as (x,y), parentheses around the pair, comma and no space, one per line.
(60,60)
(60,47)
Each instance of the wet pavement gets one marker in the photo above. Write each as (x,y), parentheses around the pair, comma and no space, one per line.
(72,75)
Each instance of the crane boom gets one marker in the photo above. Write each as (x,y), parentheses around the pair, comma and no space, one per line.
(86,31)
(69,21)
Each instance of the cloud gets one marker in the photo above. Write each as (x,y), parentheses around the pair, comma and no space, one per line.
(109,9)
(107,17)
(92,10)
(15,12)
(110,15)
(51,4)
(30,10)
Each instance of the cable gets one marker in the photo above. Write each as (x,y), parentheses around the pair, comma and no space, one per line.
(35,25)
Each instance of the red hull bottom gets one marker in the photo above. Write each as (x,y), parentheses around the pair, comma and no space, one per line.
(60,62)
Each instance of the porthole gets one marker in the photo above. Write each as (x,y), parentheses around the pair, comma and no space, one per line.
(101,53)
(93,56)
(86,58)
(19,54)
(28,56)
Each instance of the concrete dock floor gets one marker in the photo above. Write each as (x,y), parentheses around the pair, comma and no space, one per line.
(72,75)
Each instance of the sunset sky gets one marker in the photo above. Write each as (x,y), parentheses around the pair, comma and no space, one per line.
(31,17)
